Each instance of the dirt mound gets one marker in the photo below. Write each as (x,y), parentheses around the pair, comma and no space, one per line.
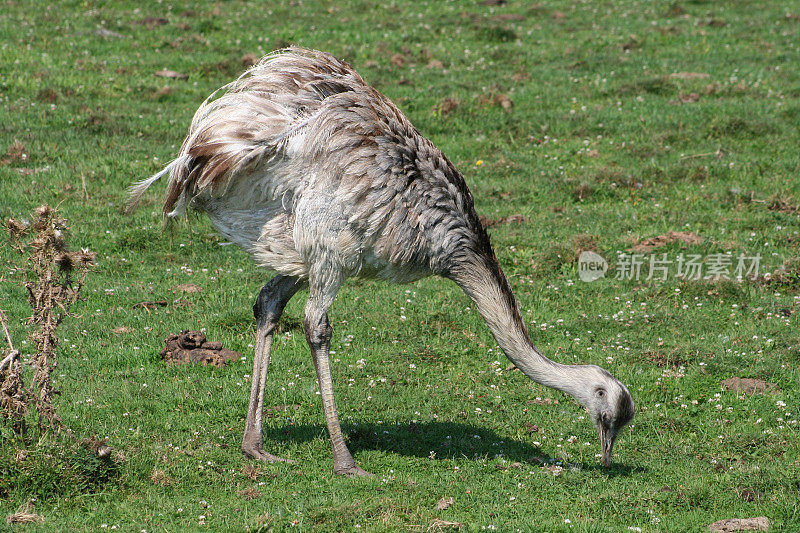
(760,523)
(748,385)
(192,347)
(487,222)
(187,287)
(673,236)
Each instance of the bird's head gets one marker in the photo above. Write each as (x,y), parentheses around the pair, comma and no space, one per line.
(609,404)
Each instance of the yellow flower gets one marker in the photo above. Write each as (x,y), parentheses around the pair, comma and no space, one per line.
(479,162)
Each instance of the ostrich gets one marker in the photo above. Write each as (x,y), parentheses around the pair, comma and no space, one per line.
(321,178)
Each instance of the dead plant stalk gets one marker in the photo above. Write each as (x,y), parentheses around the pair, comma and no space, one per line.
(53,277)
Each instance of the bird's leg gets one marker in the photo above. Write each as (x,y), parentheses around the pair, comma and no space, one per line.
(268,309)
(318,334)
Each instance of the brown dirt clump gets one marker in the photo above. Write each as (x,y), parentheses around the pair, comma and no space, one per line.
(487,222)
(189,347)
(446,106)
(748,385)
(661,240)
(495,98)
(187,287)
(153,22)
(445,503)
(249,493)
(760,523)
(166,73)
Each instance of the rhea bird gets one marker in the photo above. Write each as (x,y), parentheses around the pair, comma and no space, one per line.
(321,178)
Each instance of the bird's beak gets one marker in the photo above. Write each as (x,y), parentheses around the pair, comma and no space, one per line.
(607,437)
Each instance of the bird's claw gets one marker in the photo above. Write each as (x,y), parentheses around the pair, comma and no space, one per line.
(261,455)
(351,471)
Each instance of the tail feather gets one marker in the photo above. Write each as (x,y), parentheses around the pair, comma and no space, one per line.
(250,123)
(137,190)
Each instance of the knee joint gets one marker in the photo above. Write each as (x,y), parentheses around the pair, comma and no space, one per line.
(318,333)
(268,306)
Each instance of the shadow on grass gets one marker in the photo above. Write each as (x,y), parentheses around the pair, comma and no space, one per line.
(438,440)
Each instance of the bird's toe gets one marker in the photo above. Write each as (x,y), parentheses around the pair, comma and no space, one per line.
(261,455)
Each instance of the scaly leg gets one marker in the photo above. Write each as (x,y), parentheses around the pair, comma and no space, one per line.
(268,309)
(318,335)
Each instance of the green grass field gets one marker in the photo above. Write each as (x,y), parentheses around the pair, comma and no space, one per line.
(602,124)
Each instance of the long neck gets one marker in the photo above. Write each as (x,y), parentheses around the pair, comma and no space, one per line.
(484,282)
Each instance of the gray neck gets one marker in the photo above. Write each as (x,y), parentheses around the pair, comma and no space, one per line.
(487,286)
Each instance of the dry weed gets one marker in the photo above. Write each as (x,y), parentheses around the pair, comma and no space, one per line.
(53,277)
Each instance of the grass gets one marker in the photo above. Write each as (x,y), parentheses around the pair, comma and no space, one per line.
(627,120)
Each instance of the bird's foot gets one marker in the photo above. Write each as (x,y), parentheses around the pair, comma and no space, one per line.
(351,471)
(261,455)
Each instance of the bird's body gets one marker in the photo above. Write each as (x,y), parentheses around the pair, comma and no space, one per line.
(321,178)
(302,159)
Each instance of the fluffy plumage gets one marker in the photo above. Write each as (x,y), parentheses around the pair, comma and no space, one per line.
(299,134)
(321,177)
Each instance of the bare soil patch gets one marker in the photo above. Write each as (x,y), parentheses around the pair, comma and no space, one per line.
(166,73)
(760,523)
(673,236)
(447,106)
(250,493)
(748,385)
(187,287)
(445,503)
(487,222)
